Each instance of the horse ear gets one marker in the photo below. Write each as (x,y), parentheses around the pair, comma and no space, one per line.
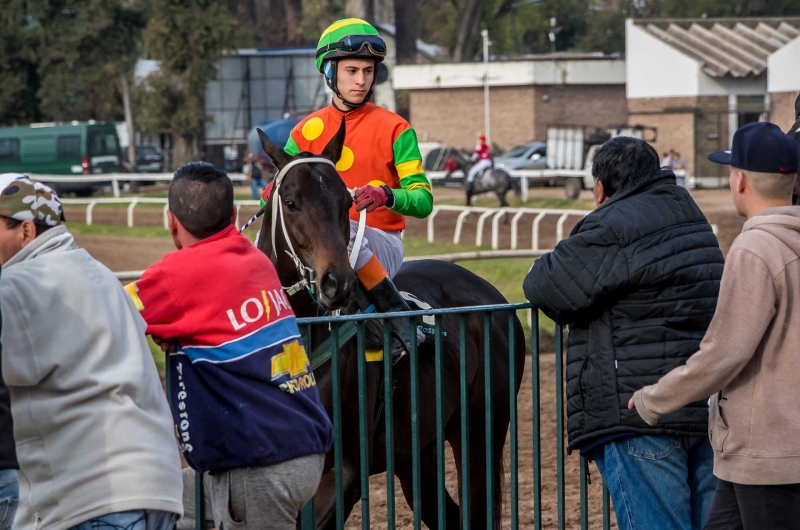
(333,151)
(273,150)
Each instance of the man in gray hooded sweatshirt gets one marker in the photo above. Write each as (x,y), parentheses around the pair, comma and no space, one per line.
(93,430)
(749,360)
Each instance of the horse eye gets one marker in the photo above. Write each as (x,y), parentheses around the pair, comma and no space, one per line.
(291,206)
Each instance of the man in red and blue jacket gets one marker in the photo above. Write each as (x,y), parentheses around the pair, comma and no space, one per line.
(243,396)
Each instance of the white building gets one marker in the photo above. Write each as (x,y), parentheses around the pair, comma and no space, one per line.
(698,80)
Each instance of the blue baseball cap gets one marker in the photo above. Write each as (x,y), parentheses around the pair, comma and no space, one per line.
(760,147)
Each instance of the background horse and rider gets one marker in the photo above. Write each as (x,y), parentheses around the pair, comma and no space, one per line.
(494,180)
(315,203)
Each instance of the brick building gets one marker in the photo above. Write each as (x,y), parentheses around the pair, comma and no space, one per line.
(698,80)
(446,101)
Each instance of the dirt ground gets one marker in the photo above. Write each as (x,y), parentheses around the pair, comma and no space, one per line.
(135,254)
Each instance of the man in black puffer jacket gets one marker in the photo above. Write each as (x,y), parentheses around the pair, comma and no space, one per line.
(637,283)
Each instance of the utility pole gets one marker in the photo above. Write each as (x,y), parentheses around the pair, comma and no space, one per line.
(486,124)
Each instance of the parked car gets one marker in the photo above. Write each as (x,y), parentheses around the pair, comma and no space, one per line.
(75,148)
(531,155)
(148,159)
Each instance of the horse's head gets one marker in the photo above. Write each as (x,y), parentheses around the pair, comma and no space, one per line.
(315,203)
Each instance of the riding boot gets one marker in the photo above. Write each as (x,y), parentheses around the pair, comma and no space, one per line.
(384,295)
(388,300)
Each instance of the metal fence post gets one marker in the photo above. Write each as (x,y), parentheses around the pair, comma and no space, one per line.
(307,519)
(388,384)
(415,449)
(337,427)
(363,448)
(441,492)
(537,437)
(606,508)
(464,399)
(487,383)
(512,402)
(560,425)
(584,494)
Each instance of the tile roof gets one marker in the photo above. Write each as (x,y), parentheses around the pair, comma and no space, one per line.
(736,47)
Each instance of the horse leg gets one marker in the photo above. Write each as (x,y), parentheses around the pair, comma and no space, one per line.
(325,498)
(501,191)
(429,503)
(478,479)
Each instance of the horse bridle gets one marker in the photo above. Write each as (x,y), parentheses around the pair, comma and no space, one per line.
(306,282)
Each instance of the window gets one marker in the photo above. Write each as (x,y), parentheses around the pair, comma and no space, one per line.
(68,147)
(146,150)
(103,145)
(517,151)
(9,150)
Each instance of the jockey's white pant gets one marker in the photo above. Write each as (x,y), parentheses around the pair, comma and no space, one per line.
(478,169)
(387,246)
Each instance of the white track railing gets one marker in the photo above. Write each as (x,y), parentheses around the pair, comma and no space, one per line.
(535,174)
(116,178)
(132,202)
(497,214)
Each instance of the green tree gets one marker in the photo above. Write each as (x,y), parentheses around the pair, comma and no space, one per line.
(188,37)
(18,78)
(78,57)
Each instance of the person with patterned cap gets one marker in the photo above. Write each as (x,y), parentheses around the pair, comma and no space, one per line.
(380,160)
(93,430)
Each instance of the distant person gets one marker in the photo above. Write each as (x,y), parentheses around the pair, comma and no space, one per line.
(677,161)
(254,174)
(749,360)
(482,158)
(244,399)
(94,437)
(450,167)
(666,160)
(637,283)
(9,483)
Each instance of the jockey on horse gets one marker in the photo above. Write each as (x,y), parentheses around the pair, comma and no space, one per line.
(380,161)
(483,156)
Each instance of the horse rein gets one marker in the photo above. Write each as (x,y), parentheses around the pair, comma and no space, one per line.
(277,210)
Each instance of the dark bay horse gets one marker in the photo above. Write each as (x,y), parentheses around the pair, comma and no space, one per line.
(496,180)
(316,204)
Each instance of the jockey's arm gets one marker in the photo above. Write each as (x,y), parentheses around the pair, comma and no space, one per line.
(414,197)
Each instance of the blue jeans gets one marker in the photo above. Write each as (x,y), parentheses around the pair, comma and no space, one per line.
(659,482)
(9,497)
(131,520)
(254,185)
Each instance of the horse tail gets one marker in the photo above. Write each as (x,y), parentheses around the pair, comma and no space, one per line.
(499,488)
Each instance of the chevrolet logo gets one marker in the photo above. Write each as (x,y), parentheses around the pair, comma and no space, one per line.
(292,361)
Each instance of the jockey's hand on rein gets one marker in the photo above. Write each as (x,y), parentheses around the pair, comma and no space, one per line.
(370,197)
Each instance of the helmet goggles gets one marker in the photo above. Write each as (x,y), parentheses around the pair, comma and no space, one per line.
(355,44)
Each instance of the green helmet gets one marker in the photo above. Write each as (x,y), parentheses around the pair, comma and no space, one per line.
(350,37)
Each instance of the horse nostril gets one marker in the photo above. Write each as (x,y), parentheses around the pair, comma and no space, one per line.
(329,283)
